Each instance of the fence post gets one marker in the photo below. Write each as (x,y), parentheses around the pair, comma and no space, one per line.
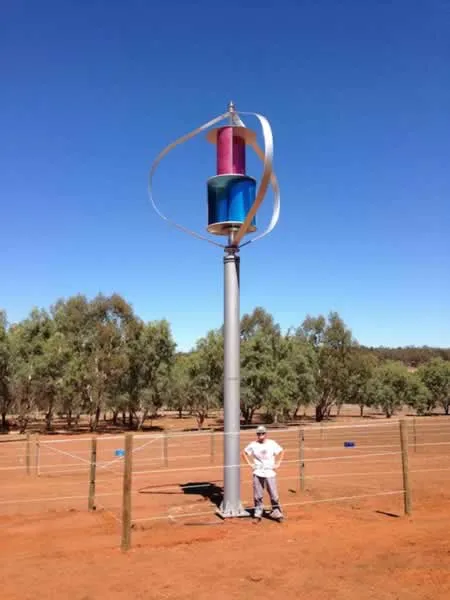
(166,448)
(213,446)
(28,454)
(404,448)
(92,473)
(37,457)
(301,457)
(126,496)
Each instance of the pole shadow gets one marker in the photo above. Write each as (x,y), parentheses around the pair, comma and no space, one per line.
(387,514)
(207,489)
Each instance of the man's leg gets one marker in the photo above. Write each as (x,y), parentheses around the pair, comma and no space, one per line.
(258,494)
(274,498)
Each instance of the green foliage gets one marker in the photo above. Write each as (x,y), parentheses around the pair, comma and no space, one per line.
(260,352)
(392,387)
(412,356)
(95,334)
(205,372)
(33,366)
(419,394)
(5,372)
(360,370)
(85,356)
(436,376)
(332,343)
(91,356)
(179,384)
(146,379)
(294,383)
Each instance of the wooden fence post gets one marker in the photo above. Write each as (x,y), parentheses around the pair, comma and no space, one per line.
(404,448)
(166,448)
(301,458)
(126,497)
(37,456)
(213,446)
(28,454)
(92,473)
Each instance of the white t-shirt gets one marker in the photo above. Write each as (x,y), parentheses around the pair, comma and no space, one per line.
(264,456)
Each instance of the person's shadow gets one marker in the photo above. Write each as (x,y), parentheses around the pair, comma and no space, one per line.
(207,489)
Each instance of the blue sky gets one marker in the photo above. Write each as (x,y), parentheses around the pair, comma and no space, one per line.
(358,95)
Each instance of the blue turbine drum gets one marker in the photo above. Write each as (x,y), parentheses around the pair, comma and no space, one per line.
(230,198)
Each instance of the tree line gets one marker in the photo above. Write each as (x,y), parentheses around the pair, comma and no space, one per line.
(87,357)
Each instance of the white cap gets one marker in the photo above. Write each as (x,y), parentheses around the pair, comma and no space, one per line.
(261,429)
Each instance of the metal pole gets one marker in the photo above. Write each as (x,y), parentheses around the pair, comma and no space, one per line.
(231,505)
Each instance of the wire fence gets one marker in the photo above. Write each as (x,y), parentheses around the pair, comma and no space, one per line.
(179,476)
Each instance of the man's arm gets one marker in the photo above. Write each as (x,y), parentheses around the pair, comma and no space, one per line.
(279,459)
(247,458)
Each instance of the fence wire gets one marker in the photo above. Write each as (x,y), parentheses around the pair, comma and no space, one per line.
(53,474)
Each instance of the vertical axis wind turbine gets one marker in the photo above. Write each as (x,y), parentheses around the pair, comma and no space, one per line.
(233,201)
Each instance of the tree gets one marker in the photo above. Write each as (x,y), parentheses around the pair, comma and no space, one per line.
(436,376)
(72,320)
(393,387)
(5,372)
(104,346)
(360,370)
(50,368)
(205,368)
(94,356)
(96,337)
(418,395)
(146,379)
(30,377)
(179,384)
(332,342)
(259,321)
(293,382)
(260,346)
(258,373)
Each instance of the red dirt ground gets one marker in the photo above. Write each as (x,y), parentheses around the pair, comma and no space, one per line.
(357,549)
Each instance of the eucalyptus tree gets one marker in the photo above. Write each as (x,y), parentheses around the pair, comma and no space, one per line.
(6,397)
(204,388)
(436,376)
(332,343)
(393,387)
(260,348)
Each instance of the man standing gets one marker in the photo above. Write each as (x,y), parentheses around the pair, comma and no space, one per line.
(263,452)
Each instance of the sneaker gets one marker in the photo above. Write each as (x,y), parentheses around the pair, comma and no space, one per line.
(277,515)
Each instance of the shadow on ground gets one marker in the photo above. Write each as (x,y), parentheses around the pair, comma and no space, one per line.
(207,489)
(387,514)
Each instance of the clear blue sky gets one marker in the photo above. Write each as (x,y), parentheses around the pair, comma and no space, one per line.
(358,95)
